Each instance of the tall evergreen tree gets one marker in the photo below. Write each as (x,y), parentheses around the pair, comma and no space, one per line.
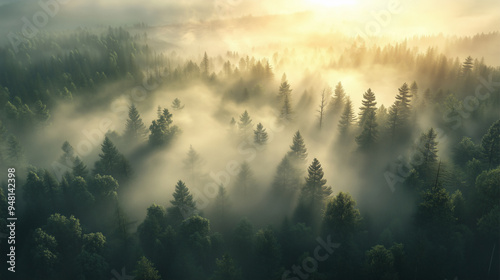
(369,134)
(286,180)
(145,270)
(313,195)
(15,152)
(321,110)
(226,269)
(338,100)
(135,130)
(183,204)
(298,150)
(369,104)
(286,110)
(404,98)
(244,179)
(467,66)
(260,135)
(341,218)
(162,130)
(193,164)
(245,124)
(177,105)
(111,162)
(79,168)
(347,118)
(205,65)
(490,146)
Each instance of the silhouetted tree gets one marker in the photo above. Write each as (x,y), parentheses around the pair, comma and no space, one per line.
(260,135)
(135,130)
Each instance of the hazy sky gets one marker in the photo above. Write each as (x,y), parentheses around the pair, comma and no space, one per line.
(463,17)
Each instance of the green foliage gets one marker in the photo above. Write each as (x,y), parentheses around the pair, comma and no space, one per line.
(226,269)
(135,130)
(183,204)
(490,145)
(111,162)
(381,263)
(145,270)
(347,118)
(162,130)
(298,153)
(260,135)
(341,217)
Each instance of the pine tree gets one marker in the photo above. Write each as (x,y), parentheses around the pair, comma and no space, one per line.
(490,146)
(183,204)
(193,165)
(162,130)
(79,168)
(284,89)
(145,270)
(260,135)
(298,153)
(41,112)
(369,104)
(245,123)
(428,147)
(111,162)
(341,218)
(15,153)
(226,269)
(347,118)
(369,134)
(205,65)
(321,110)
(395,119)
(338,100)
(244,179)
(286,110)
(467,66)
(414,90)
(177,105)
(404,98)
(312,195)
(135,129)
(286,178)
(68,156)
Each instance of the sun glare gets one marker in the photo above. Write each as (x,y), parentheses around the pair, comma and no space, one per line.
(331,3)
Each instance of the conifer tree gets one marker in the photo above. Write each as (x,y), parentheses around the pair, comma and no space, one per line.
(369,134)
(79,168)
(135,129)
(467,66)
(177,105)
(193,165)
(245,123)
(404,98)
(260,135)
(369,104)
(286,110)
(347,118)
(244,179)
(490,146)
(298,153)
(183,204)
(145,270)
(111,162)
(162,130)
(338,100)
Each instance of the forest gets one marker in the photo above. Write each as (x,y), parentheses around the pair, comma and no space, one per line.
(123,158)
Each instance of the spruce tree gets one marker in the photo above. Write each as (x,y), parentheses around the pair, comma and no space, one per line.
(260,135)
(286,180)
(404,98)
(193,165)
(135,129)
(298,153)
(111,162)
(338,100)
(286,110)
(183,204)
(177,105)
(245,123)
(369,104)
(490,146)
(244,179)
(369,134)
(79,168)
(467,66)
(347,118)
(162,130)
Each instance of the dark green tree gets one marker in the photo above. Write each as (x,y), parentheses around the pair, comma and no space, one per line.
(298,153)
(111,162)
(145,270)
(337,103)
(162,130)
(79,168)
(341,218)
(183,204)
(226,269)
(177,105)
(369,134)
(369,105)
(313,195)
(135,130)
(260,135)
(490,145)
(347,118)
